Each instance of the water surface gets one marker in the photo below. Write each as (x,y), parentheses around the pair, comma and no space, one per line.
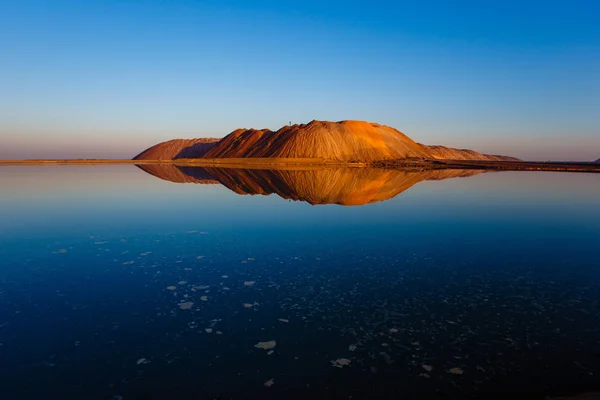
(122,281)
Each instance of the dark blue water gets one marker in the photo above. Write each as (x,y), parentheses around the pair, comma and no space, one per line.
(114,282)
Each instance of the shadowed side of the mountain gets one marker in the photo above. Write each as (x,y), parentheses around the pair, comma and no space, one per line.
(238,144)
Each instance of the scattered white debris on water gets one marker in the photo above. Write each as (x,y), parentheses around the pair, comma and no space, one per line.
(352,347)
(270,382)
(266,345)
(284,320)
(249,283)
(341,363)
(181,282)
(247,305)
(393,330)
(186,306)
(142,361)
(208,330)
(171,287)
(224,276)
(204,298)
(427,368)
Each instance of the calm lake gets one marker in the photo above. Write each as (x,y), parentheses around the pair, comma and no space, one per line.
(158,282)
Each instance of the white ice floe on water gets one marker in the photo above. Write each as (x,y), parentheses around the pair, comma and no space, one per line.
(341,363)
(270,382)
(266,345)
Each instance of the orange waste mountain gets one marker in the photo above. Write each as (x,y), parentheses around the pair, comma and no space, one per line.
(343,141)
(344,186)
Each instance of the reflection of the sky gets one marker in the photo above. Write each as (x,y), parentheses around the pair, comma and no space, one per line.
(46,200)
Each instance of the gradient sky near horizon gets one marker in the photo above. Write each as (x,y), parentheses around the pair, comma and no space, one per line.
(106,79)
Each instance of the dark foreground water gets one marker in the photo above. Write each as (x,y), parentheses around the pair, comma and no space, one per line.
(117,284)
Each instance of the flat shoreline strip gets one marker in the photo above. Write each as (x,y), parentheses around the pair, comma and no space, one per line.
(265,163)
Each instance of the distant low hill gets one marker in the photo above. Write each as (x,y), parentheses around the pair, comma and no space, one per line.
(447,153)
(178,148)
(343,141)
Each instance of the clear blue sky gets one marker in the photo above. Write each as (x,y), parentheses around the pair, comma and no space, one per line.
(109,78)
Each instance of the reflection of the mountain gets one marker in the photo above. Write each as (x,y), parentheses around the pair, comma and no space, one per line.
(345,186)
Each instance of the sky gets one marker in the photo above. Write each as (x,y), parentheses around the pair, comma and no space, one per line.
(107,79)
